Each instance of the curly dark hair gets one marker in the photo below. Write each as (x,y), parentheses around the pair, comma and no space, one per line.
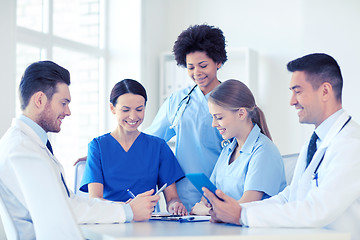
(203,38)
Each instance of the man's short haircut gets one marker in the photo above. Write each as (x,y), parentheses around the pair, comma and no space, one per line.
(319,68)
(202,38)
(41,76)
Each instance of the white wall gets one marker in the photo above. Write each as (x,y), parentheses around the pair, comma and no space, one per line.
(7,64)
(123,42)
(279,30)
(7,70)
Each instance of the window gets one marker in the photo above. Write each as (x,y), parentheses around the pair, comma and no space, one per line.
(70,33)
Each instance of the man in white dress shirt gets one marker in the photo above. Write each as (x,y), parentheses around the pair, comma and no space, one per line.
(325,190)
(45,97)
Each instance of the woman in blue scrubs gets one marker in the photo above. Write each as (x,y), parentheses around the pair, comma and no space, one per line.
(129,159)
(185,114)
(250,167)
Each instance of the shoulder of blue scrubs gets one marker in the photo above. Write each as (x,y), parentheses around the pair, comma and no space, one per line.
(177,96)
(325,126)
(34,126)
(129,215)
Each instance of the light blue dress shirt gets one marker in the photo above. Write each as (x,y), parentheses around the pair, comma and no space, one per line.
(259,167)
(198,144)
(34,126)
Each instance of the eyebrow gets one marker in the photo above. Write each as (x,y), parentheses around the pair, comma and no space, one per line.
(293,87)
(198,63)
(66,99)
(130,107)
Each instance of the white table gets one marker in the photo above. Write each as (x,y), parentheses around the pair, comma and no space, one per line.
(202,230)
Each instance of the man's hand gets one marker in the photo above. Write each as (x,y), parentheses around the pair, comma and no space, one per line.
(228,211)
(176,207)
(143,205)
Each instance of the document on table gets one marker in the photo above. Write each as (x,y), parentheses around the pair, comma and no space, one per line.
(169,217)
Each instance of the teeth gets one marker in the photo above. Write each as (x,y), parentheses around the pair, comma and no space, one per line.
(131,123)
(200,79)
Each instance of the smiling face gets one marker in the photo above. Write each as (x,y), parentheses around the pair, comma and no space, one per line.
(227,122)
(306,100)
(202,70)
(129,111)
(56,109)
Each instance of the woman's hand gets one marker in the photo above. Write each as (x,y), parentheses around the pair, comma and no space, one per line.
(173,202)
(176,207)
(200,209)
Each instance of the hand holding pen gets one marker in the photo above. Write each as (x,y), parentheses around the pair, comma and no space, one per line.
(143,205)
(132,195)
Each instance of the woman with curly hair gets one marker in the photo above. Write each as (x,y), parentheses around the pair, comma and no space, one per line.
(185,114)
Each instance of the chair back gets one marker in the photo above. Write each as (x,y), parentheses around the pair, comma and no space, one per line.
(46,199)
(79,172)
(289,165)
(7,221)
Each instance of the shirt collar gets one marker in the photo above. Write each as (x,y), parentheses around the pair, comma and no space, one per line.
(251,139)
(249,143)
(325,126)
(200,93)
(34,126)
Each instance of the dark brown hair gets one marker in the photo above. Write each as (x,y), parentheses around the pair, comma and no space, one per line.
(127,86)
(319,68)
(41,76)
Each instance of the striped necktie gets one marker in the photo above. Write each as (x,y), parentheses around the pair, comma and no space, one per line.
(48,145)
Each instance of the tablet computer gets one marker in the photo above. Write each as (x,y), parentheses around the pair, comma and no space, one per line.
(200,180)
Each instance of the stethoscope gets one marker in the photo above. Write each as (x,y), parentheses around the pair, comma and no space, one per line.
(181,108)
(315,175)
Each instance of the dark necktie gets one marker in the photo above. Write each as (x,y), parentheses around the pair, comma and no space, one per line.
(311,148)
(48,145)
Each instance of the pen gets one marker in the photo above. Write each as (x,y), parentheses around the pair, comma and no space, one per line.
(161,189)
(130,193)
(186,219)
(315,177)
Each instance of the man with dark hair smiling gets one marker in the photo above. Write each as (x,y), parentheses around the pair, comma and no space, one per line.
(45,97)
(325,190)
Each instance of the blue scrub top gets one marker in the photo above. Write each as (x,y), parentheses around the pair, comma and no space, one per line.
(198,144)
(259,167)
(148,162)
